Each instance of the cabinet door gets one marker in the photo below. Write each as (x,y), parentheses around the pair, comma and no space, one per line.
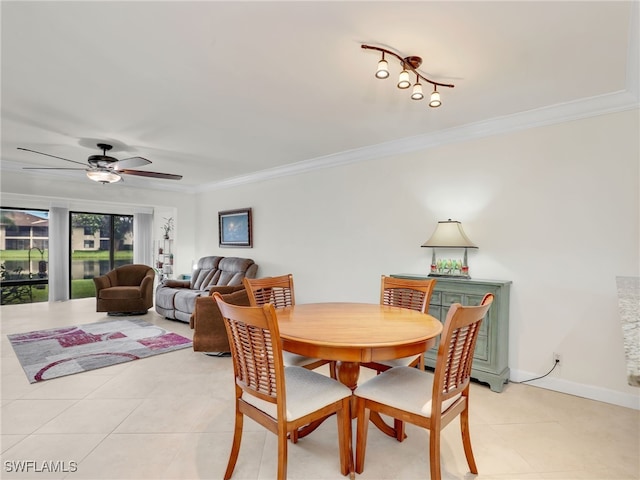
(467,294)
(435,311)
(490,360)
(482,351)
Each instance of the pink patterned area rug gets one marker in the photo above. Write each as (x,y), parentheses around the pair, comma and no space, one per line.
(47,354)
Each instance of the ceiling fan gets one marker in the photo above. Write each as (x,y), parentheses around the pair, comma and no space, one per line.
(106,169)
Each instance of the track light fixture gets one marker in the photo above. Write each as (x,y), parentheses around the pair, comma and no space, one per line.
(435,98)
(403,79)
(383,68)
(409,64)
(417,90)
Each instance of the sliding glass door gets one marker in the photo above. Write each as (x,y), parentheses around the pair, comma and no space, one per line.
(99,243)
(24,255)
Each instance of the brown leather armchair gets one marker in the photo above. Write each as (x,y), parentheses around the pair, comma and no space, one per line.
(209,333)
(125,290)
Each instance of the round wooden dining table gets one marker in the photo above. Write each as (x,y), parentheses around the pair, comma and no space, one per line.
(354,333)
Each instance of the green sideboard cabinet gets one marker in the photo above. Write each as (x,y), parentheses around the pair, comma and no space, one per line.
(490,361)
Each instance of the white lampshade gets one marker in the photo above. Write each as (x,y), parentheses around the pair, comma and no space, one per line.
(103,176)
(383,69)
(417,92)
(435,99)
(449,234)
(403,80)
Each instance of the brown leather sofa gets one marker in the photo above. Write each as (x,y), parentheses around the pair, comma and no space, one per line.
(209,333)
(176,299)
(125,290)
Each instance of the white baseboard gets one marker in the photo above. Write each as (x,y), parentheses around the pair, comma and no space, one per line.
(628,400)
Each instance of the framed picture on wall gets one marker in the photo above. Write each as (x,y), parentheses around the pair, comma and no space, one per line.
(234,228)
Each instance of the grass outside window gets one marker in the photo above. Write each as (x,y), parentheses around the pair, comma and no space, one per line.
(80,288)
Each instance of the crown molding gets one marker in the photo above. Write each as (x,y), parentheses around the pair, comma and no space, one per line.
(38,202)
(561,113)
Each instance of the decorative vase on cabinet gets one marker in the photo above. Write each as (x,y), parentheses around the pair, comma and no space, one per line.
(491,357)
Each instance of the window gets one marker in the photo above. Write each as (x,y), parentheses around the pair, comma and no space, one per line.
(17,244)
(113,236)
(40,231)
(24,255)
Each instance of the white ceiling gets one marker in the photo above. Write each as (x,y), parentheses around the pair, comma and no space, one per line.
(223,91)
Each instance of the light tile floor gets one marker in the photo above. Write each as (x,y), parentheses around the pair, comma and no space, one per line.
(171,417)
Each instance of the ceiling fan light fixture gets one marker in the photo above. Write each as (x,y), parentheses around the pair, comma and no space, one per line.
(103,176)
(104,169)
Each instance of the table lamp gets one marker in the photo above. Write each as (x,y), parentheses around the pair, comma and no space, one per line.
(449,234)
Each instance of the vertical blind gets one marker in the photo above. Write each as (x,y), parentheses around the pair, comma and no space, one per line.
(143,238)
(58,261)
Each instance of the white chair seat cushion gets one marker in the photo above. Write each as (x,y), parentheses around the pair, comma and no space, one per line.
(400,362)
(295,360)
(406,388)
(307,391)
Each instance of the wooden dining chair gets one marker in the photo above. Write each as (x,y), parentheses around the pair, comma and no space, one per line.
(424,399)
(404,293)
(281,399)
(280,293)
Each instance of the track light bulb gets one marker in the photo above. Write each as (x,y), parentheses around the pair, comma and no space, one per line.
(403,79)
(417,92)
(435,99)
(383,69)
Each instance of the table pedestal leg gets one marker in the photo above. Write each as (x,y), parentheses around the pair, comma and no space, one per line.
(394,432)
(347,373)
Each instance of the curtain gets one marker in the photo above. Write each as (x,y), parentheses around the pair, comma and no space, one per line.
(143,238)
(58,254)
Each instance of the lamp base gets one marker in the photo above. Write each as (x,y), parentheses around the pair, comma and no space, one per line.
(447,275)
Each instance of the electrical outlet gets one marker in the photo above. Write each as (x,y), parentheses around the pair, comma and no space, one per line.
(557,358)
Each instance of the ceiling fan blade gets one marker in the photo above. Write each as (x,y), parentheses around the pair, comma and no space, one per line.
(40,153)
(142,173)
(131,162)
(52,168)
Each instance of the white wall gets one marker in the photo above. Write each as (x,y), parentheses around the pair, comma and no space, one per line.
(555,209)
